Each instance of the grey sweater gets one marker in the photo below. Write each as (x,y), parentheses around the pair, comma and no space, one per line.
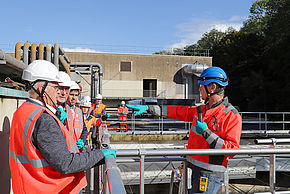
(48,138)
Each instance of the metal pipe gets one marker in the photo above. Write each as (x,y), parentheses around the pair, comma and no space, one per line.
(65,65)
(272,177)
(48,52)
(56,55)
(193,68)
(62,52)
(142,163)
(14,63)
(270,141)
(178,152)
(18,50)
(100,71)
(26,53)
(33,52)
(41,51)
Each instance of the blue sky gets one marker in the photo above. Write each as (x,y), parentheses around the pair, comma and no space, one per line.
(124,26)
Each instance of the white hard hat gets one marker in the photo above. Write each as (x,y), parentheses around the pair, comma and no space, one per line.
(123,102)
(99,97)
(86,101)
(41,70)
(64,79)
(74,86)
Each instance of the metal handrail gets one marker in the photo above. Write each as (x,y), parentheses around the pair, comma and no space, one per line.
(195,152)
(186,152)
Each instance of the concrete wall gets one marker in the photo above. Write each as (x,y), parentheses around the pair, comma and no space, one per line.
(130,84)
(10,100)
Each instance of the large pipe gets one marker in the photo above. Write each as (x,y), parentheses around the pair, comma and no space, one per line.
(14,63)
(193,68)
(41,51)
(26,53)
(18,50)
(188,70)
(56,55)
(48,52)
(33,52)
(65,65)
(100,71)
(62,52)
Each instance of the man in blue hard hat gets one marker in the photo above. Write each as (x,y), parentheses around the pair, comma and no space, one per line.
(215,125)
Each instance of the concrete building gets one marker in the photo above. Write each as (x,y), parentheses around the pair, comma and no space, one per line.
(133,76)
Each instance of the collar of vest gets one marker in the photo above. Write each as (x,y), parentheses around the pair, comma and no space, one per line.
(224,101)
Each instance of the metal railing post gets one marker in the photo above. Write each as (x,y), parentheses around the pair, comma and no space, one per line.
(283,121)
(92,180)
(142,163)
(184,178)
(272,176)
(171,182)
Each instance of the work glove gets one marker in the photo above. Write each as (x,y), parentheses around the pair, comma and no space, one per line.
(140,108)
(61,114)
(201,127)
(80,144)
(105,117)
(109,153)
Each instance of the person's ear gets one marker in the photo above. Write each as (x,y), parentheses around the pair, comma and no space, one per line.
(39,89)
(213,87)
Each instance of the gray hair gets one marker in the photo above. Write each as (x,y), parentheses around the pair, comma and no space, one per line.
(36,85)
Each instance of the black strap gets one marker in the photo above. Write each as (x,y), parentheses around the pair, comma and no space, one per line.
(217,78)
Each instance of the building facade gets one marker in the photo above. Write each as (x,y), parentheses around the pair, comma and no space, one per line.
(129,76)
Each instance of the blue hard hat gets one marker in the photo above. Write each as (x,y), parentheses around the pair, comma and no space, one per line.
(213,74)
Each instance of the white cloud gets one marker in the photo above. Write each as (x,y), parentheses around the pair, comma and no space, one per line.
(190,32)
(79,49)
(237,18)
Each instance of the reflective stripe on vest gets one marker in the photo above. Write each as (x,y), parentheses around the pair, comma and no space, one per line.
(70,117)
(25,160)
(78,123)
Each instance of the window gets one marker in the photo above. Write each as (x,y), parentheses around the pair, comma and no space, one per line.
(125,66)
(149,87)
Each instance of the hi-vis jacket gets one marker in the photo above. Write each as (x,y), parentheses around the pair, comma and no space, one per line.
(75,124)
(224,123)
(122,112)
(30,172)
(97,113)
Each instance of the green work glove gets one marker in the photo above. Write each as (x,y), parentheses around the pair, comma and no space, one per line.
(109,153)
(200,127)
(140,108)
(62,115)
(80,144)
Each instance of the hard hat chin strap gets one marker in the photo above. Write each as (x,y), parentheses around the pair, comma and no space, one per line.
(40,94)
(219,91)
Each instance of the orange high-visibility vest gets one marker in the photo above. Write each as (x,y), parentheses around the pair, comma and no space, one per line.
(123,117)
(30,172)
(75,124)
(99,110)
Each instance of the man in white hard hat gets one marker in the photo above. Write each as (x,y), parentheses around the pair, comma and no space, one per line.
(43,157)
(122,113)
(85,106)
(98,109)
(75,117)
(62,95)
